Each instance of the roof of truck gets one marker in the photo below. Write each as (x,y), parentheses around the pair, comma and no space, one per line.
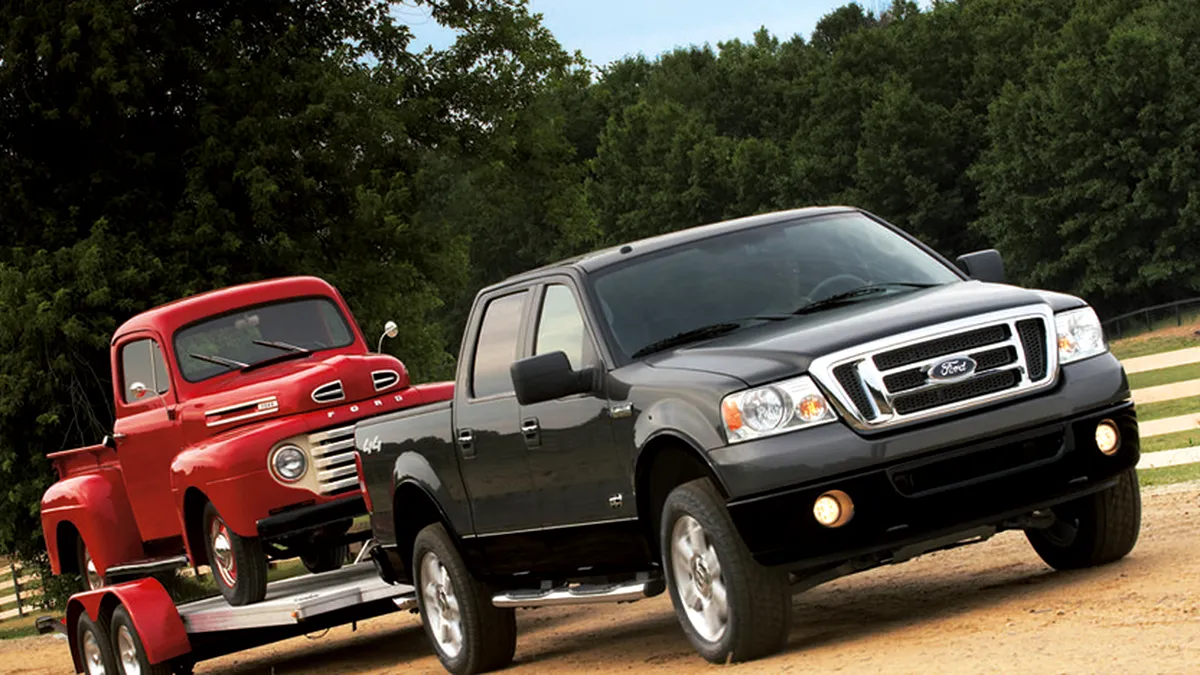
(166,319)
(599,259)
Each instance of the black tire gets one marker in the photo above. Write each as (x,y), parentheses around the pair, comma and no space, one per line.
(757,605)
(241,573)
(95,647)
(326,559)
(1093,530)
(127,647)
(488,633)
(88,582)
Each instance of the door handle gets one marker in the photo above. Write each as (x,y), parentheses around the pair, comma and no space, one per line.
(466,440)
(118,436)
(531,429)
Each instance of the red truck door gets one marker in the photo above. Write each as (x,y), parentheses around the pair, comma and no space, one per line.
(145,434)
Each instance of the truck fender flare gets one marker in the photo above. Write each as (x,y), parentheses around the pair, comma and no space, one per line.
(149,605)
(94,505)
(679,421)
(412,468)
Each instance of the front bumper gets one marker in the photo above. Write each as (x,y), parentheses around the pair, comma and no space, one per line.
(308,518)
(983,482)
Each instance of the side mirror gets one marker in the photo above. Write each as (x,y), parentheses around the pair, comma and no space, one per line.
(139,390)
(984,265)
(546,377)
(390,330)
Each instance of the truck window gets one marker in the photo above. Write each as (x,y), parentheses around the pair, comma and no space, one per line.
(496,347)
(560,327)
(142,361)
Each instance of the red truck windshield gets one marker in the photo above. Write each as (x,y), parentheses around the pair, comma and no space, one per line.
(254,334)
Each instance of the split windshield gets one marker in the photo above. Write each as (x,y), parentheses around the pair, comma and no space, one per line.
(773,271)
(288,329)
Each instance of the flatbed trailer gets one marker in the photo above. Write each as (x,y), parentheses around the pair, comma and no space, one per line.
(145,632)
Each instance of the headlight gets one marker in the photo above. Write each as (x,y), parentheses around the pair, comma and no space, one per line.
(1079,335)
(289,463)
(773,409)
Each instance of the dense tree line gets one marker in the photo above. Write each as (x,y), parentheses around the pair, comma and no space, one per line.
(153,150)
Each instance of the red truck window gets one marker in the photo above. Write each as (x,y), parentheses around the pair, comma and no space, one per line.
(142,361)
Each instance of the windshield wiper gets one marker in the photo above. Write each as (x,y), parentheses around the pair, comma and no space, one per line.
(704,332)
(842,298)
(219,360)
(280,345)
(276,359)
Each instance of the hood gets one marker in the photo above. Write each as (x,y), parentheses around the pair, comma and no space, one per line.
(295,387)
(778,349)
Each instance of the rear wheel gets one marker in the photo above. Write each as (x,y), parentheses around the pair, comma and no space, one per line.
(1093,530)
(327,559)
(128,650)
(238,563)
(92,579)
(95,649)
(731,608)
(468,632)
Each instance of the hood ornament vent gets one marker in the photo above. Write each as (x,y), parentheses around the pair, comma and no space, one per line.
(329,392)
(384,379)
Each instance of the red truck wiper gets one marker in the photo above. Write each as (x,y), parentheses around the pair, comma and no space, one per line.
(219,360)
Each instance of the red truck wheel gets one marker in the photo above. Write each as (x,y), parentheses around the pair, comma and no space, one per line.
(128,651)
(95,650)
(319,560)
(238,563)
(87,566)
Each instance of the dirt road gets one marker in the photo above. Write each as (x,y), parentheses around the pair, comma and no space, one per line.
(989,608)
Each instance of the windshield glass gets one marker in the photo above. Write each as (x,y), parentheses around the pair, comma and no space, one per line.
(769,270)
(224,343)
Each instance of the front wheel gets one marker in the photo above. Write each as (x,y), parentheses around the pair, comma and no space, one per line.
(1093,530)
(731,608)
(468,632)
(238,563)
(128,649)
(317,560)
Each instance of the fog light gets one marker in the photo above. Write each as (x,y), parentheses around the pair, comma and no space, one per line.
(833,509)
(1108,438)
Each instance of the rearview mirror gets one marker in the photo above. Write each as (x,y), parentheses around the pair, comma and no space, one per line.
(546,377)
(986,265)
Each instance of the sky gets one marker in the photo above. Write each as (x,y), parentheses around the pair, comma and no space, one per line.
(607,30)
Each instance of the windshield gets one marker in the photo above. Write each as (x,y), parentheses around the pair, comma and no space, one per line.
(772,270)
(232,341)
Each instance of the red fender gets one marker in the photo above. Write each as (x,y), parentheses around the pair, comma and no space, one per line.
(154,616)
(96,505)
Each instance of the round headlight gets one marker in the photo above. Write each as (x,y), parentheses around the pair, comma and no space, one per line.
(289,463)
(763,409)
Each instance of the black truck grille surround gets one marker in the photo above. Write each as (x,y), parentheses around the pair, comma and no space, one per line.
(888,382)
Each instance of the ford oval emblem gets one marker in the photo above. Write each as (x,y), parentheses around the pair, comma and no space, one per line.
(953,368)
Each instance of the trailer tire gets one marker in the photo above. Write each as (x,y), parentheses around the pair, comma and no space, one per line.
(128,651)
(730,607)
(326,559)
(1093,530)
(469,634)
(95,647)
(239,564)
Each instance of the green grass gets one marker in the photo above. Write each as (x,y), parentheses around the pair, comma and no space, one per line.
(1169,474)
(1172,408)
(1153,378)
(1154,344)
(19,627)
(1180,439)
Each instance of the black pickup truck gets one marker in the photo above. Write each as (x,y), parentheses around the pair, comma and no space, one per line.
(739,411)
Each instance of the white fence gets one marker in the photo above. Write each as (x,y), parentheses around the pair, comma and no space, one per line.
(19,591)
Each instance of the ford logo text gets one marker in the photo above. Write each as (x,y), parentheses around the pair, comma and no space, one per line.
(954,368)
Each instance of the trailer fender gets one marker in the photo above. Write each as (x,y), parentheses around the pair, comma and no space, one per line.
(154,615)
(95,505)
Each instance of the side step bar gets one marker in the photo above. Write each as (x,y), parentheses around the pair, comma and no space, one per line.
(144,568)
(631,591)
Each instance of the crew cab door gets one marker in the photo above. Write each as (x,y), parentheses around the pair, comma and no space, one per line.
(493,456)
(146,433)
(577,468)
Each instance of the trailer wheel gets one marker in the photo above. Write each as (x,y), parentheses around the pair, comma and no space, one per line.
(468,632)
(95,649)
(325,559)
(87,566)
(238,563)
(128,650)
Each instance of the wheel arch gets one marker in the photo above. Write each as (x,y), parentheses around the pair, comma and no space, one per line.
(414,508)
(193,526)
(666,461)
(67,537)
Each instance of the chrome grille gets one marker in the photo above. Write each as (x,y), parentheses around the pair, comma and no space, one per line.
(886,382)
(333,457)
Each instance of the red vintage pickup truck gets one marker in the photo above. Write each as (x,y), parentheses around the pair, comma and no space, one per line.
(233,441)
